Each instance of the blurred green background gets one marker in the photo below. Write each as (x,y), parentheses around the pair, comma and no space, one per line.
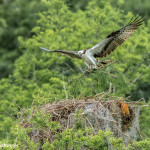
(27,72)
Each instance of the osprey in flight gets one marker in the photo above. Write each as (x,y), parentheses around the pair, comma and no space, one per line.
(105,47)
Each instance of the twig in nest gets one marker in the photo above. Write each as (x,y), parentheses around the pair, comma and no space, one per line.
(90,97)
(143,106)
(98,94)
(130,140)
(90,125)
(55,113)
(103,96)
(141,132)
(96,121)
(137,102)
(109,120)
(68,121)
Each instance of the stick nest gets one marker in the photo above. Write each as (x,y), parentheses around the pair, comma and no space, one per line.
(100,112)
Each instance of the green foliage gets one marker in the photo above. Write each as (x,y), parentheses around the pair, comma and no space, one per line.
(69,139)
(135,6)
(23,140)
(141,145)
(15,20)
(145,120)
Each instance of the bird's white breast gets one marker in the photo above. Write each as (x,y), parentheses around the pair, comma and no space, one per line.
(87,58)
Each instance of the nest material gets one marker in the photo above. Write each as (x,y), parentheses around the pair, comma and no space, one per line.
(100,115)
(110,111)
(112,114)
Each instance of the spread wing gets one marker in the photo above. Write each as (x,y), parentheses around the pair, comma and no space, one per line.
(115,39)
(73,54)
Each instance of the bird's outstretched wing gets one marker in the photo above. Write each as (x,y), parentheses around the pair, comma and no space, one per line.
(73,54)
(115,39)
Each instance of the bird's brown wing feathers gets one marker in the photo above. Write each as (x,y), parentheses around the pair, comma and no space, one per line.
(119,37)
(110,43)
(73,54)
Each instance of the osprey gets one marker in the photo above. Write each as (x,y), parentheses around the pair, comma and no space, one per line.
(105,47)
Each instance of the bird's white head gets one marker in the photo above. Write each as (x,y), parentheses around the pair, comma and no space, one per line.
(81,53)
